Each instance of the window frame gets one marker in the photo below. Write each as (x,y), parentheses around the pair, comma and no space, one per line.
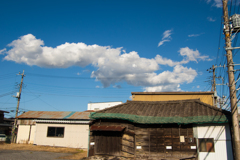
(204,141)
(55,132)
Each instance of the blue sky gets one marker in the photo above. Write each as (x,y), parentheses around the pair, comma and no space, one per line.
(76,52)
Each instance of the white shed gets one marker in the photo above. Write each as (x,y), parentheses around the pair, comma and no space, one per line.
(219,136)
(102,105)
(64,129)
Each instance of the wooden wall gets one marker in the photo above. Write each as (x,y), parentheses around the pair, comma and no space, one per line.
(143,141)
(127,141)
(163,141)
(1,117)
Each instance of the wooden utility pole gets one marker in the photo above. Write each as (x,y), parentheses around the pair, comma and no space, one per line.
(18,97)
(232,87)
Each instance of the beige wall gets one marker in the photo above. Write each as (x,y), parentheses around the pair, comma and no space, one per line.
(206,98)
(75,135)
(23,133)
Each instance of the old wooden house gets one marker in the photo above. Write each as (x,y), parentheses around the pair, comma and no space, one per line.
(180,129)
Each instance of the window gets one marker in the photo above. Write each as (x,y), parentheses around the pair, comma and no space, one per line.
(206,145)
(55,132)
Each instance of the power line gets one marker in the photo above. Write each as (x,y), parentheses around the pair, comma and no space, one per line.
(6,94)
(75,95)
(44,101)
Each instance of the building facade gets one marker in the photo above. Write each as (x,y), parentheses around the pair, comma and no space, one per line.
(205,97)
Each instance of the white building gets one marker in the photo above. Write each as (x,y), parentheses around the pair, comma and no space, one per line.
(102,105)
(219,135)
(64,129)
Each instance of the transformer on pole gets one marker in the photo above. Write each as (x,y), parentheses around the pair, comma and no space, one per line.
(235,20)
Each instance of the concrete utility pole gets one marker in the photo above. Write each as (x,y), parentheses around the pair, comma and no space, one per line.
(214,85)
(18,97)
(214,80)
(232,87)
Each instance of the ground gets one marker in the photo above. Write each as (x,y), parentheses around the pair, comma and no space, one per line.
(36,155)
(24,150)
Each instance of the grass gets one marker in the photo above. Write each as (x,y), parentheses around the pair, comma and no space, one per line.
(75,153)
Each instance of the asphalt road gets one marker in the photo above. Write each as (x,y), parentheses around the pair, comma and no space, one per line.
(34,155)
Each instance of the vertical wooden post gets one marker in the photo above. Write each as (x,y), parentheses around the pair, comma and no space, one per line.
(232,87)
(149,141)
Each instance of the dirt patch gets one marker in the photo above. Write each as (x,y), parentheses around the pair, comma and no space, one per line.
(76,153)
(106,157)
(76,156)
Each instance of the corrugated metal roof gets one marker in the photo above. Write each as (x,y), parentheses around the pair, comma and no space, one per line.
(54,115)
(62,121)
(76,115)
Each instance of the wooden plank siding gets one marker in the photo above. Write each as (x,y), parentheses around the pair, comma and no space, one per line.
(124,145)
(108,143)
(153,140)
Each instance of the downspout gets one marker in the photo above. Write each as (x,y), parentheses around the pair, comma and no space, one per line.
(35,134)
(29,135)
(88,141)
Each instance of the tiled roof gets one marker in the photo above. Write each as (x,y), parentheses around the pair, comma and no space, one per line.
(54,115)
(156,112)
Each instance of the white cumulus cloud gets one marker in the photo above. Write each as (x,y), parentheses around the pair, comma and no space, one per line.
(3,51)
(174,87)
(195,35)
(210,19)
(191,55)
(31,51)
(166,37)
(113,65)
(170,81)
(216,3)
(187,54)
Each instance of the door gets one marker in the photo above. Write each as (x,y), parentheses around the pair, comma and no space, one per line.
(108,142)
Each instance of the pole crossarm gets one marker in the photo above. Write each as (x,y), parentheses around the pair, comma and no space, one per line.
(231,48)
(222,84)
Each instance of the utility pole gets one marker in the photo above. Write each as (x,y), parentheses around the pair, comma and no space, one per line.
(214,85)
(232,87)
(18,97)
(214,81)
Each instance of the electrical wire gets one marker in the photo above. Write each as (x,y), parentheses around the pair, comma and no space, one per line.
(45,102)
